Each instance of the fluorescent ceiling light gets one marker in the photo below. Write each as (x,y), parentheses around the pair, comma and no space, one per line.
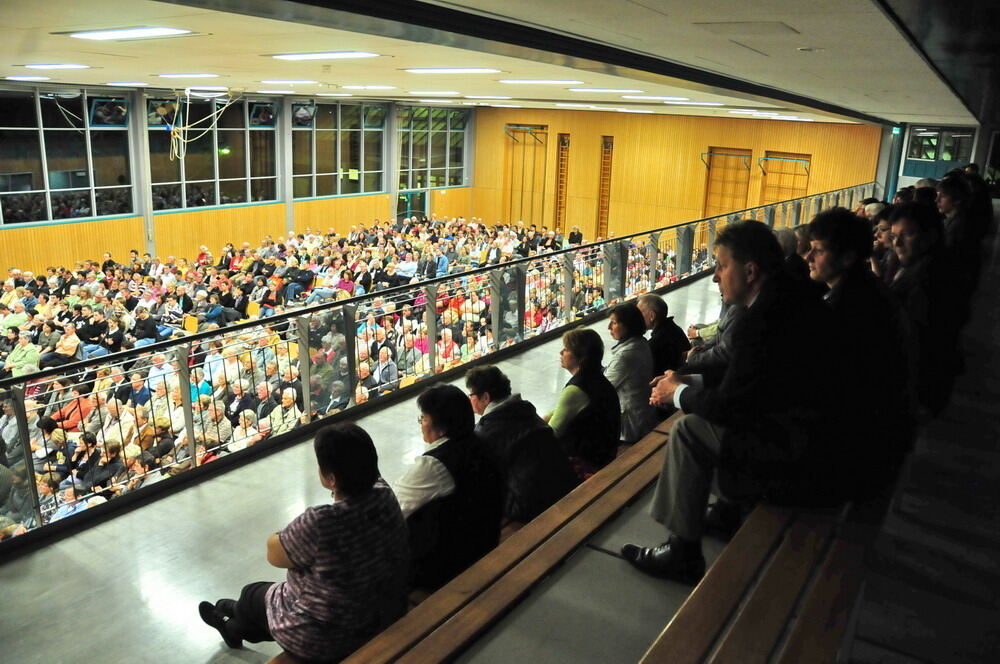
(66,65)
(334,55)
(603,90)
(575,105)
(129,84)
(486,97)
(334,94)
(276,92)
(289,82)
(695,103)
(475,103)
(369,87)
(744,111)
(27,78)
(766,113)
(504,106)
(129,33)
(443,93)
(434,101)
(633,110)
(188,75)
(452,70)
(537,81)
(652,98)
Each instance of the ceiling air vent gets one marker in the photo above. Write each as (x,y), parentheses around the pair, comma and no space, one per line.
(748,28)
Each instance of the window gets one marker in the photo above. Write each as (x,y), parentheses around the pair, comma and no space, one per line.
(227,155)
(923,144)
(432,146)
(63,155)
(956,145)
(337,149)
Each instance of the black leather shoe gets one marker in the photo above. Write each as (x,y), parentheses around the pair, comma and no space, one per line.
(723,519)
(212,618)
(667,561)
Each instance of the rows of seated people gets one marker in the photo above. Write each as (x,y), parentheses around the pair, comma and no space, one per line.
(808,393)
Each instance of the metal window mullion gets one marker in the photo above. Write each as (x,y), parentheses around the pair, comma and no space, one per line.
(361,153)
(246,151)
(90,159)
(183,169)
(45,157)
(336,138)
(313,170)
(215,156)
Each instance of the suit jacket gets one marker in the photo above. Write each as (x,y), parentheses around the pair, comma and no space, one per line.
(780,413)
(668,342)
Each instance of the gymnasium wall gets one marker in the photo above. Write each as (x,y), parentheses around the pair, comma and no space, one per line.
(322,214)
(658,177)
(180,234)
(451,202)
(63,244)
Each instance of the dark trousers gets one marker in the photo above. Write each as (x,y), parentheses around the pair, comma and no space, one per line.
(249,619)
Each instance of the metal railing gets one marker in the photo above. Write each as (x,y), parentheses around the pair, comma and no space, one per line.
(92,431)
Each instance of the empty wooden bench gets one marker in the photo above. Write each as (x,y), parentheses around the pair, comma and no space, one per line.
(783,590)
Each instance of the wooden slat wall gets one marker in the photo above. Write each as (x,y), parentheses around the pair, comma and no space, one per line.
(38,247)
(181,233)
(448,203)
(341,213)
(658,176)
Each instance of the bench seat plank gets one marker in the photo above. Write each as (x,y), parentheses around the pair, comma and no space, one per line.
(761,621)
(689,636)
(443,604)
(481,612)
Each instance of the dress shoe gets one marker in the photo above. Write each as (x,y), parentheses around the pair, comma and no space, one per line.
(668,561)
(723,519)
(211,616)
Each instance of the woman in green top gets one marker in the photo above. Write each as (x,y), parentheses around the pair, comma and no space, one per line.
(586,419)
(24,354)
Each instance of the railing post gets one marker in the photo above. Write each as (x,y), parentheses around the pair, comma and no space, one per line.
(183,356)
(430,293)
(623,251)
(653,256)
(817,205)
(567,269)
(769,216)
(685,247)
(520,288)
(497,302)
(797,212)
(21,414)
(350,315)
(305,362)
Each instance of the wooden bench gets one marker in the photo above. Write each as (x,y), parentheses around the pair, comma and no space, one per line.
(441,626)
(783,590)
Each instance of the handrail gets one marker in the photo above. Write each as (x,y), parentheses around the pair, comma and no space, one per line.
(612,270)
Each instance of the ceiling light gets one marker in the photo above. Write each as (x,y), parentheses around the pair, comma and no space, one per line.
(129,33)
(633,110)
(188,75)
(575,105)
(475,103)
(809,49)
(289,82)
(651,98)
(695,103)
(335,55)
(334,94)
(443,93)
(26,78)
(504,106)
(129,84)
(276,92)
(206,91)
(369,87)
(766,113)
(486,97)
(434,101)
(67,65)
(537,81)
(603,90)
(744,111)
(453,70)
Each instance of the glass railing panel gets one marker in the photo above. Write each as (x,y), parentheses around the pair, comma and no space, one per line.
(588,273)
(544,295)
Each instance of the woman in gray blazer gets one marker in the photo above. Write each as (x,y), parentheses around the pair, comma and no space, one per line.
(630,371)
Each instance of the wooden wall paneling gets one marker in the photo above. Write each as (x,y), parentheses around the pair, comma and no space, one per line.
(657,168)
(36,248)
(181,233)
(322,214)
(448,203)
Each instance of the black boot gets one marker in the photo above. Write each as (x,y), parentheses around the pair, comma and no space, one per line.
(213,618)
(675,559)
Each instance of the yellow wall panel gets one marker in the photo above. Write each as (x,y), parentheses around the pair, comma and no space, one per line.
(181,233)
(448,203)
(62,245)
(340,214)
(658,177)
